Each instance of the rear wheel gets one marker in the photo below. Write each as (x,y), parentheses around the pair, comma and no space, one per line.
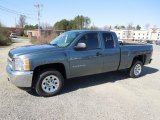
(136,69)
(49,83)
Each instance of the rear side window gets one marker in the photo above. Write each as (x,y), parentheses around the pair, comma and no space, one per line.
(91,40)
(108,40)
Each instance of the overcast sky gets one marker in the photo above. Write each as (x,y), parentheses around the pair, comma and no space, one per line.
(101,12)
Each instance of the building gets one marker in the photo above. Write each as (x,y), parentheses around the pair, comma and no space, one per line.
(36,33)
(152,34)
(32,33)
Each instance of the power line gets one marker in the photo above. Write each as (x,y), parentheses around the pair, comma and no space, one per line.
(15,12)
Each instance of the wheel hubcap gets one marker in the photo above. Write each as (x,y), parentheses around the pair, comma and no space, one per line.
(50,84)
(137,69)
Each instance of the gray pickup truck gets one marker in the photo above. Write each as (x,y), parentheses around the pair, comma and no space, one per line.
(73,54)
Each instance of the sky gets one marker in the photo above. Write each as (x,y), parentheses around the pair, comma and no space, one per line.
(101,12)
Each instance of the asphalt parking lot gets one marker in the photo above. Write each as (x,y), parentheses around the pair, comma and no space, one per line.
(109,96)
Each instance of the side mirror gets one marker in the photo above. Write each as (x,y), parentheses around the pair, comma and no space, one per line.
(80,46)
(120,42)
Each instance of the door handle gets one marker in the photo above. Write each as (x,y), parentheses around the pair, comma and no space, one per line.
(98,54)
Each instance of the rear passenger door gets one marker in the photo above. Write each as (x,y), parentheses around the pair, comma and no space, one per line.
(111,52)
(87,61)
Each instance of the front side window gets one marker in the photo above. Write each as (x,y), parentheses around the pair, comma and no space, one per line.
(91,40)
(108,40)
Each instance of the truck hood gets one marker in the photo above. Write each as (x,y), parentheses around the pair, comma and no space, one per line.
(31,49)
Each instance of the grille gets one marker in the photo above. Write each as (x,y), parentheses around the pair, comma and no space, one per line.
(10,62)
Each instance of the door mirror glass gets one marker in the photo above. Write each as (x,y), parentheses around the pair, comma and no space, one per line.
(80,46)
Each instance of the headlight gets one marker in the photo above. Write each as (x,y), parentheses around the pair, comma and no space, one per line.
(21,64)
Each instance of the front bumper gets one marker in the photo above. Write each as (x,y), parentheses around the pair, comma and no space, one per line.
(18,78)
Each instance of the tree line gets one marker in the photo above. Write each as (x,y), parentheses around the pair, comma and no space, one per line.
(129,26)
(79,22)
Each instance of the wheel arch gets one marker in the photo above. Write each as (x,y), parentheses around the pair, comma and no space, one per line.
(141,58)
(57,66)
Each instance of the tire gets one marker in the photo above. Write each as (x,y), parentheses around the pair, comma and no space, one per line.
(136,69)
(49,83)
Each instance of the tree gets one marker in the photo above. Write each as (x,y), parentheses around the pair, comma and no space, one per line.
(116,27)
(93,28)
(138,27)
(72,25)
(154,26)
(4,39)
(31,27)
(122,27)
(128,32)
(46,26)
(82,22)
(119,27)
(106,27)
(0,24)
(79,22)
(130,26)
(147,26)
(62,25)
(22,21)
(87,22)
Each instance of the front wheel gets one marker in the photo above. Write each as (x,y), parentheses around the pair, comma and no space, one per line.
(49,83)
(136,69)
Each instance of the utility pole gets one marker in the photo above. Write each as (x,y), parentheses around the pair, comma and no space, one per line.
(38,6)
(15,23)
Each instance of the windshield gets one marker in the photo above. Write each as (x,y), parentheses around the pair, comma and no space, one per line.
(64,39)
(13,33)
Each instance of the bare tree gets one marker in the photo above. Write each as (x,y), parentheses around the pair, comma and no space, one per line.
(147,26)
(128,32)
(154,26)
(22,21)
(106,27)
(46,26)
(130,26)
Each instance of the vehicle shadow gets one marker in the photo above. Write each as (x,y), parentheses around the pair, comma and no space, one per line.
(87,81)
(84,82)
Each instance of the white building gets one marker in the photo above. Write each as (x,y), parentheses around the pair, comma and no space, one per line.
(150,34)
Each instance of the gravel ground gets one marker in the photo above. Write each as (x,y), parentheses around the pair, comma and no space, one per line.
(110,96)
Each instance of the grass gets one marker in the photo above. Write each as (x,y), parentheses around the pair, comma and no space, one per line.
(43,40)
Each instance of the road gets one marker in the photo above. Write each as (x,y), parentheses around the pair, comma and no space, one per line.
(110,96)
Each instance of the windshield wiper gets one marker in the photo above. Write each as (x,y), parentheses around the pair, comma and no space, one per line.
(53,44)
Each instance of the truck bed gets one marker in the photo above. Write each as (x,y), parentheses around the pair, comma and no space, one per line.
(129,50)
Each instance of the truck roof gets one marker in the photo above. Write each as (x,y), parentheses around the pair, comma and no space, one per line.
(90,31)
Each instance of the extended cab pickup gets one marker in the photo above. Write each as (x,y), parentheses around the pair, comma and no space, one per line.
(73,54)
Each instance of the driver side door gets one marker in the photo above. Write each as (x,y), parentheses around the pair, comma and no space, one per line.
(86,61)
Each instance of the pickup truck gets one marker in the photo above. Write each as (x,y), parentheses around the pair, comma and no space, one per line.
(44,68)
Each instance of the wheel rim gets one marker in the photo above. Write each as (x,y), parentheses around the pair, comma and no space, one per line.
(137,69)
(50,84)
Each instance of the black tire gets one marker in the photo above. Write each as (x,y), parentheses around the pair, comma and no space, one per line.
(39,89)
(132,70)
